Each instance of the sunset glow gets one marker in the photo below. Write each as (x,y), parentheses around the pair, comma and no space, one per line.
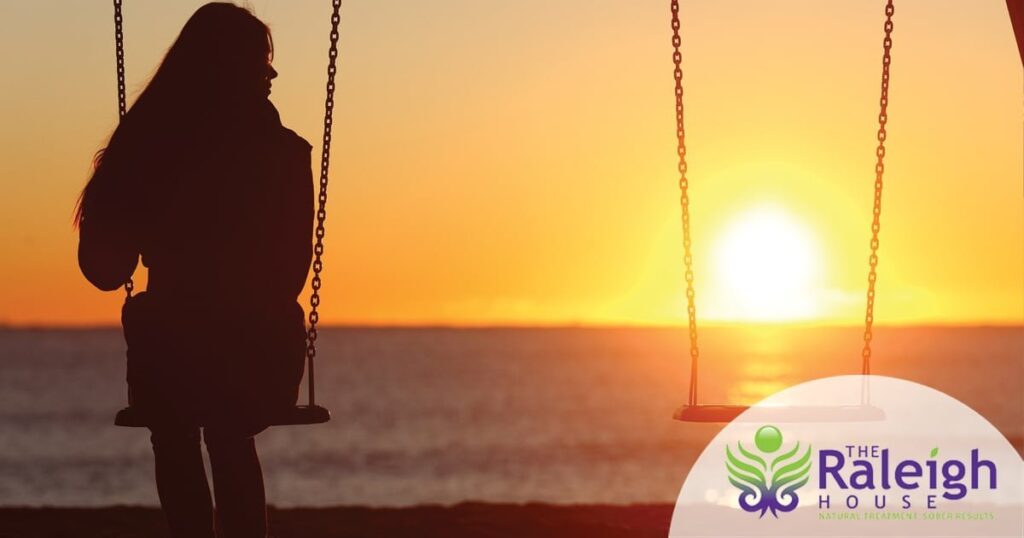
(514,163)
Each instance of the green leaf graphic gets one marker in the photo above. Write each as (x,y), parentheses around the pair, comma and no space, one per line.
(741,470)
(740,475)
(785,456)
(793,471)
(793,466)
(751,456)
(801,483)
(935,452)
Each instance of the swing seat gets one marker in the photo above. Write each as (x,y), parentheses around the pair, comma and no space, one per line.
(133,417)
(709,413)
(802,413)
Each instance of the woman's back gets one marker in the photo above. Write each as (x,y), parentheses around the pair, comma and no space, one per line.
(232,221)
(225,231)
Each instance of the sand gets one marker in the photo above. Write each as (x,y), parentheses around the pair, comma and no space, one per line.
(466,519)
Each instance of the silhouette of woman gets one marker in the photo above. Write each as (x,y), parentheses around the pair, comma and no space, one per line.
(201,179)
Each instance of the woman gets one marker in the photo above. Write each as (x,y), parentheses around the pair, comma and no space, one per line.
(202,180)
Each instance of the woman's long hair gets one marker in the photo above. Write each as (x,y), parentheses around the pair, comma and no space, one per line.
(213,68)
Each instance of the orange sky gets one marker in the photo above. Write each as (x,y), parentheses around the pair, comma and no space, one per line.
(513,162)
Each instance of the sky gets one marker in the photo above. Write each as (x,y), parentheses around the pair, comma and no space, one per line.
(513,163)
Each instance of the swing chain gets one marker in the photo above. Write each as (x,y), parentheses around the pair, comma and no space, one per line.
(883,118)
(684,201)
(122,107)
(119,51)
(321,212)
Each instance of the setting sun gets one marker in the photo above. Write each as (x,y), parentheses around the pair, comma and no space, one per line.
(766,268)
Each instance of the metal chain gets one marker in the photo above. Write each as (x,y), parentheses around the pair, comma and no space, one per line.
(119,50)
(321,213)
(684,201)
(883,118)
(122,107)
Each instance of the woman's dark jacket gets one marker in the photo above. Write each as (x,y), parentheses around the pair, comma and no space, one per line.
(225,229)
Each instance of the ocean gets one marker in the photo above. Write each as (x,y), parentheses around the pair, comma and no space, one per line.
(440,416)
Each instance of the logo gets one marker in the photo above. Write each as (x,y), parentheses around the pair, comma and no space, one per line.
(912,462)
(768,483)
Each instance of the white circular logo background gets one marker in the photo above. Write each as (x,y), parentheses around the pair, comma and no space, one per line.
(855,456)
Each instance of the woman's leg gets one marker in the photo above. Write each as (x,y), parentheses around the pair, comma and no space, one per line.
(181,482)
(237,483)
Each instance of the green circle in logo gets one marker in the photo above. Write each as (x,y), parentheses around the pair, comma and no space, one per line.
(768,439)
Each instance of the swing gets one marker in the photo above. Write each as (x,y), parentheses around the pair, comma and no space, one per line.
(693,410)
(310,413)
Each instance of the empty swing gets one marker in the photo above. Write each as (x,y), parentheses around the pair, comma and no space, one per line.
(310,413)
(693,410)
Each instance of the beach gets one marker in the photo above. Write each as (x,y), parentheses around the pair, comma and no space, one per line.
(465,519)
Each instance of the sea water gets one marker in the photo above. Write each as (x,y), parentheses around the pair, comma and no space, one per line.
(570,415)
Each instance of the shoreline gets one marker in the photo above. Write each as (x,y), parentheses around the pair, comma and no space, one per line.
(463,519)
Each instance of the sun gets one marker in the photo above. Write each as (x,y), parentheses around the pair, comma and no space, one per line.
(767,266)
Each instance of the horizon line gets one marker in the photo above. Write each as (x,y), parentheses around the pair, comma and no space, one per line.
(562,326)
